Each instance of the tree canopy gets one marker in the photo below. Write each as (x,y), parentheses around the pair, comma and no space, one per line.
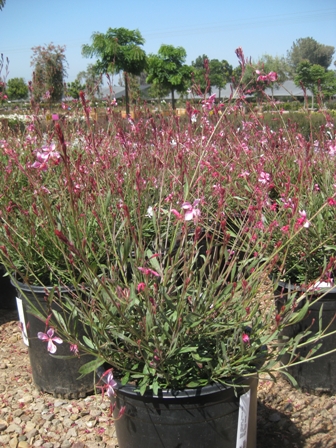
(49,64)
(2,4)
(17,89)
(220,73)
(119,49)
(277,64)
(167,69)
(309,49)
(316,78)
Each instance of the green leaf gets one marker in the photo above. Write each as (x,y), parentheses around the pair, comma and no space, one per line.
(155,387)
(290,377)
(186,189)
(91,366)
(89,343)
(60,319)
(187,349)
(125,378)
(143,388)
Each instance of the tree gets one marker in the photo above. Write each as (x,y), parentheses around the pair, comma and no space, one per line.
(2,4)
(200,75)
(329,84)
(91,78)
(168,70)
(17,89)
(49,64)
(275,64)
(73,89)
(310,76)
(118,50)
(309,49)
(220,73)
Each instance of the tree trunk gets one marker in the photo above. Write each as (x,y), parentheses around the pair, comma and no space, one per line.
(126,93)
(173,99)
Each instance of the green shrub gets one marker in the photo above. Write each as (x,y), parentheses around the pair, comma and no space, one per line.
(331,105)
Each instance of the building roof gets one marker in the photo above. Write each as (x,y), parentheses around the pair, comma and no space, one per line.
(286,89)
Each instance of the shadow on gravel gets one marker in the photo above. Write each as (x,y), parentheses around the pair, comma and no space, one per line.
(8,315)
(276,430)
(7,296)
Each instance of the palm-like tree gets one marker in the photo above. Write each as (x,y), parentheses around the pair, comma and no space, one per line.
(118,50)
(2,4)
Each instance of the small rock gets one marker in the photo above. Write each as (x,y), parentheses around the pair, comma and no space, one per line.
(74,417)
(14,428)
(48,445)
(91,423)
(48,417)
(38,443)
(289,407)
(26,399)
(29,426)
(59,403)
(18,412)
(78,445)
(13,442)
(32,433)
(275,417)
(66,444)
(23,444)
(71,433)
(3,425)
(4,440)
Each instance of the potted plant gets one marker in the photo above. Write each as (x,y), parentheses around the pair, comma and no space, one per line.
(30,196)
(305,269)
(164,279)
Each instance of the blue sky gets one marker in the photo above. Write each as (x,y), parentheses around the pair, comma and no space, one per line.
(213,27)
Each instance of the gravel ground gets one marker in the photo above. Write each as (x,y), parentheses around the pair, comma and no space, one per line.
(29,418)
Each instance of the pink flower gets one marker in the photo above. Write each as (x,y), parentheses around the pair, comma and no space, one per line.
(302,221)
(176,213)
(191,211)
(141,287)
(285,229)
(245,338)
(148,271)
(331,201)
(208,103)
(244,174)
(46,154)
(111,385)
(74,349)
(50,338)
(271,77)
(121,411)
(264,178)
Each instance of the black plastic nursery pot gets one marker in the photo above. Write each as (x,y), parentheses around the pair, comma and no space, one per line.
(57,376)
(317,376)
(7,291)
(216,416)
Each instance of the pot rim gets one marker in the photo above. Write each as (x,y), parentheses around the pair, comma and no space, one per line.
(129,389)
